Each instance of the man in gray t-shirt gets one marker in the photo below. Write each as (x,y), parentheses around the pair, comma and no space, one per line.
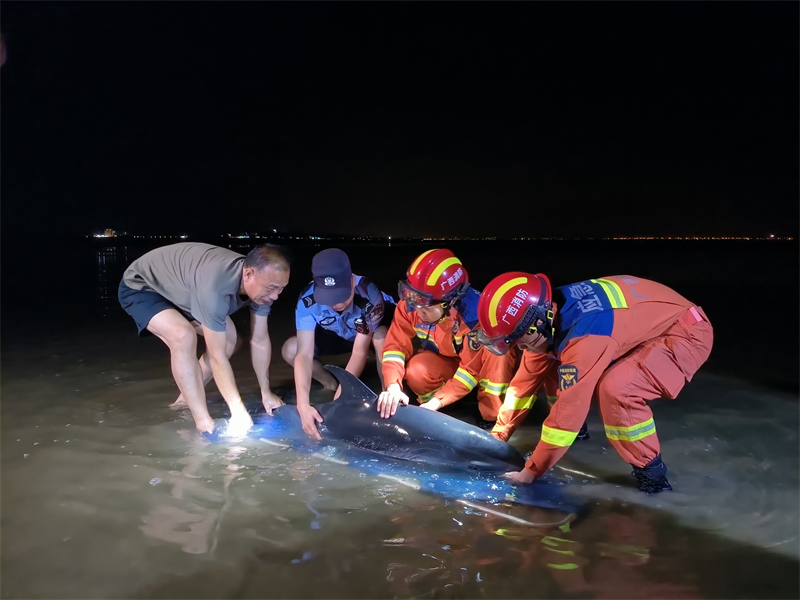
(183,290)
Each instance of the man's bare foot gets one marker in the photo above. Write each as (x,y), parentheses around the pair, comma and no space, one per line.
(179,403)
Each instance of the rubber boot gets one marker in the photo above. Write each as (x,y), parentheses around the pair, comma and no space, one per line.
(652,478)
(583,434)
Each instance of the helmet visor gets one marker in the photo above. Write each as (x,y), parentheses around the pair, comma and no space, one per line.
(413,297)
(499,345)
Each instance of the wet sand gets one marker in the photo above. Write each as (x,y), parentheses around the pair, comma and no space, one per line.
(108,493)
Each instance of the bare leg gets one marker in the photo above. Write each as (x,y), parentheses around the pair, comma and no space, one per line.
(177,333)
(234,342)
(378,339)
(318,372)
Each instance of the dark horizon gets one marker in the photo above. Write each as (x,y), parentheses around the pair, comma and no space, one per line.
(406,120)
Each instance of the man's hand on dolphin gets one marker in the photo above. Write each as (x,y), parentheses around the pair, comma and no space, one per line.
(270,402)
(524,476)
(432,404)
(389,400)
(240,422)
(309,417)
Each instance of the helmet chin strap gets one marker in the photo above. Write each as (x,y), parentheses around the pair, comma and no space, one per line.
(547,328)
(449,304)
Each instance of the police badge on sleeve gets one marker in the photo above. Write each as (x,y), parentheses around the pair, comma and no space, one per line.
(567,376)
(374,313)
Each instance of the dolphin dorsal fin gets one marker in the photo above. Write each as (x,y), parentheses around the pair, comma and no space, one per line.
(352,387)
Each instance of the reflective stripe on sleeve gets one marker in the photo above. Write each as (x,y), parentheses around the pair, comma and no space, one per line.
(498,389)
(558,437)
(514,403)
(632,433)
(465,378)
(394,356)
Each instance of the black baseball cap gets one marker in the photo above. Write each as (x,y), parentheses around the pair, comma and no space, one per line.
(332,277)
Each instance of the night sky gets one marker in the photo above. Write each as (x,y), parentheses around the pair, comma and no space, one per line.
(401,119)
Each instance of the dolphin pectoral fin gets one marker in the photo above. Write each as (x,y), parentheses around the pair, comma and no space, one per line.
(353,389)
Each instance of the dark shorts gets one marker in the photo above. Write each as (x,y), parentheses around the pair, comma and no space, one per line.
(143,305)
(328,343)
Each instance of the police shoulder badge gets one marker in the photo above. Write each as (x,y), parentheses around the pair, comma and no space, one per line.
(472,341)
(308,300)
(374,313)
(567,376)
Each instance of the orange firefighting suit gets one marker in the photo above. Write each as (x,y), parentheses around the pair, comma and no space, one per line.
(451,362)
(623,340)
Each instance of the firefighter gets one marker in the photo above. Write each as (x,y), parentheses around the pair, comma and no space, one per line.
(623,339)
(438,308)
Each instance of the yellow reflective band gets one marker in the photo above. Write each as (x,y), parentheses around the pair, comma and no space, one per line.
(394,356)
(558,437)
(426,397)
(632,433)
(499,294)
(514,403)
(563,567)
(465,378)
(613,292)
(553,541)
(567,552)
(494,388)
(440,269)
(419,260)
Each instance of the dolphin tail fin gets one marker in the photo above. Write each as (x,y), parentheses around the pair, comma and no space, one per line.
(352,387)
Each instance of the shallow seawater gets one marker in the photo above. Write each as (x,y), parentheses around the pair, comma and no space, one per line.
(109,493)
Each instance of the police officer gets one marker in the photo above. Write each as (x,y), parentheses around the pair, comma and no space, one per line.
(337,312)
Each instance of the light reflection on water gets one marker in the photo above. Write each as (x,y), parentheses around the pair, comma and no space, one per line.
(133,487)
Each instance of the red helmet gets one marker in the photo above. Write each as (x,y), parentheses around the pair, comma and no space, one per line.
(512,305)
(435,277)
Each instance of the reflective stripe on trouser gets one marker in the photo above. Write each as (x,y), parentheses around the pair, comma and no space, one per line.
(426,372)
(490,396)
(514,410)
(493,377)
(656,369)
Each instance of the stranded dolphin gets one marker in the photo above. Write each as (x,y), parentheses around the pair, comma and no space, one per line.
(412,433)
(422,449)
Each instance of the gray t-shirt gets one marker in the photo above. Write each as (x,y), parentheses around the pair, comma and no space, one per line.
(200,279)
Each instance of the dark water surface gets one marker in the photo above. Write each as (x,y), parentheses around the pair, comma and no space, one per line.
(107,493)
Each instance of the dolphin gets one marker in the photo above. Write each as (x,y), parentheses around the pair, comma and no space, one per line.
(422,449)
(412,433)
